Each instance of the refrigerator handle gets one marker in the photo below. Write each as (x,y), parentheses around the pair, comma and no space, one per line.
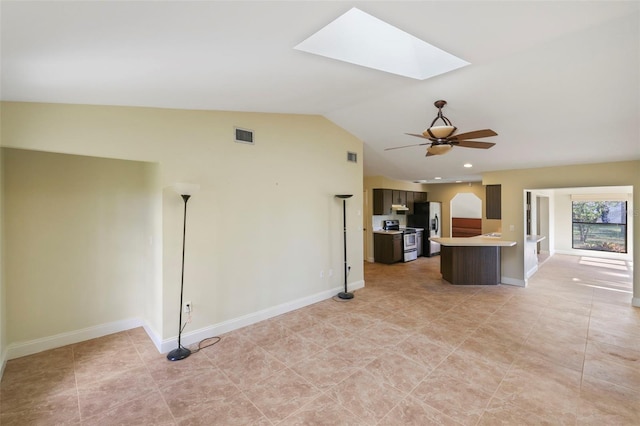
(437,224)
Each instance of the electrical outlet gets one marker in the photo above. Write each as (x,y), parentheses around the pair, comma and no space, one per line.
(330,272)
(188,308)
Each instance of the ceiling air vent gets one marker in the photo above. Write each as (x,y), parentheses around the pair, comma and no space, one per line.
(244,135)
(352,156)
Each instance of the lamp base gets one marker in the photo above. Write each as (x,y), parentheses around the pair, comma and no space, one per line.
(345,295)
(178,354)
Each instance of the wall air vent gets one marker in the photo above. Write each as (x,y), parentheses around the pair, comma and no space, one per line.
(244,136)
(352,156)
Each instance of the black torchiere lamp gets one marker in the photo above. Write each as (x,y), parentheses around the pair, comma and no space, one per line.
(345,294)
(186,190)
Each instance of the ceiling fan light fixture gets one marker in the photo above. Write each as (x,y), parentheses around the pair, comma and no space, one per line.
(442,137)
(439,132)
(439,149)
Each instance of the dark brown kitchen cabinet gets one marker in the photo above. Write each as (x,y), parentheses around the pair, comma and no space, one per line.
(472,265)
(382,200)
(415,197)
(387,248)
(410,199)
(419,197)
(493,202)
(399,197)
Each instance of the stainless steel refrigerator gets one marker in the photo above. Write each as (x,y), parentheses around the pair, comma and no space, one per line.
(427,215)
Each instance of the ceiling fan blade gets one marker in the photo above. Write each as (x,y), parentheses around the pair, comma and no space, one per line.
(473,144)
(485,133)
(418,135)
(407,146)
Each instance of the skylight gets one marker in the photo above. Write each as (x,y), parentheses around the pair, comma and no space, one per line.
(359,38)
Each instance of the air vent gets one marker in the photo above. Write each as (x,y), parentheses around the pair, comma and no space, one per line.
(352,156)
(244,136)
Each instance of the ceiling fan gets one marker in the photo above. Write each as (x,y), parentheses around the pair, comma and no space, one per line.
(442,138)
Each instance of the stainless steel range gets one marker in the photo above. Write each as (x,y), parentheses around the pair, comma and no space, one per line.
(409,239)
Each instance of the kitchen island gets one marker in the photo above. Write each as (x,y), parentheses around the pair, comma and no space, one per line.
(472,260)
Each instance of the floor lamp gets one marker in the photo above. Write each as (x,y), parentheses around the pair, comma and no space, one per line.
(185,190)
(345,294)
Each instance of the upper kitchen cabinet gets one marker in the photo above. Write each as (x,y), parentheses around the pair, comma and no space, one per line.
(382,200)
(399,197)
(419,197)
(493,202)
(410,198)
(415,197)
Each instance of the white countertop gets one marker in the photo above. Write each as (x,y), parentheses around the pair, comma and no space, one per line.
(535,238)
(479,241)
(382,231)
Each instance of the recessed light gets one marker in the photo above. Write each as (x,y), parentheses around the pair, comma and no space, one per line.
(359,38)
(468,165)
(458,181)
(437,178)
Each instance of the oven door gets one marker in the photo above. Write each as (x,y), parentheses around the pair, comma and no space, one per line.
(410,241)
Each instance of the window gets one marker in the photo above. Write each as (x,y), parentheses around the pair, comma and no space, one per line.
(600,225)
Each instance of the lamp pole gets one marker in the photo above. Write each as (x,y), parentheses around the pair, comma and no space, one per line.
(181,352)
(345,294)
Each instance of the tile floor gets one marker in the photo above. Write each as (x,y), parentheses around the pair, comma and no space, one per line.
(408,350)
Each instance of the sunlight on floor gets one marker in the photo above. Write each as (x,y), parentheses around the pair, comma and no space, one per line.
(616,270)
(611,288)
(604,263)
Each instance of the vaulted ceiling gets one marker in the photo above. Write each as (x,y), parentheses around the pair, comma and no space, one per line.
(558,81)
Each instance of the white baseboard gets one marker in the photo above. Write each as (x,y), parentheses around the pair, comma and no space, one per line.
(531,271)
(30,347)
(196,336)
(635,302)
(595,253)
(154,336)
(3,362)
(513,281)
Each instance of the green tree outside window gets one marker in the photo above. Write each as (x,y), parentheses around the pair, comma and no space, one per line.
(600,225)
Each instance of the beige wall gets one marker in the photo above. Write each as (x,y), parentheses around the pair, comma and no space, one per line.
(78,237)
(515,182)
(3,312)
(265,225)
